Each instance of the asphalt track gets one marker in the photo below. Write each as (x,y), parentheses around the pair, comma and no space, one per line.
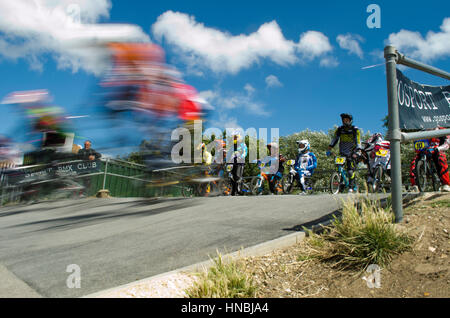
(117,241)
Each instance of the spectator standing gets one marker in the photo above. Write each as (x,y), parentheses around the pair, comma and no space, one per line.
(88,153)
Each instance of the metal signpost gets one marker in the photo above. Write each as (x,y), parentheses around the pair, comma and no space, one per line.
(394,135)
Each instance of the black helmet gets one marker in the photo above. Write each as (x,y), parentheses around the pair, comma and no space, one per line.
(345,115)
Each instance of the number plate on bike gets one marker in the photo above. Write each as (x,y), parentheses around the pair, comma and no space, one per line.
(339,160)
(291,162)
(382,153)
(421,144)
(229,168)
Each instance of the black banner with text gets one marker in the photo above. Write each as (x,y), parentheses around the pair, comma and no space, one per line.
(422,106)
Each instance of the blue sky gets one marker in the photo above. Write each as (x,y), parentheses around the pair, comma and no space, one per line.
(290,65)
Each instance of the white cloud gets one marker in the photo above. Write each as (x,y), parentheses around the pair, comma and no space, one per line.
(377,55)
(435,45)
(225,122)
(273,81)
(208,95)
(221,52)
(31,28)
(313,44)
(231,100)
(329,61)
(350,43)
(250,89)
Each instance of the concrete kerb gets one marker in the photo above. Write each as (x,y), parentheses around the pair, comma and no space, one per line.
(257,250)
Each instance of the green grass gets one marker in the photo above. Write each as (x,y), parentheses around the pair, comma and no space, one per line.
(441,204)
(304,257)
(224,280)
(360,238)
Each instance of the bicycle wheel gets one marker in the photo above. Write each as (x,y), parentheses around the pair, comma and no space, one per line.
(216,188)
(434,177)
(309,186)
(256,186)
(380,179)
(279,186)
(288,184)
(203,189)
(372,186)
(226,187)
(421,176)
(335,183)
(246,188)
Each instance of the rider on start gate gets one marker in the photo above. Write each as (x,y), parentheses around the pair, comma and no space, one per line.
(349,138)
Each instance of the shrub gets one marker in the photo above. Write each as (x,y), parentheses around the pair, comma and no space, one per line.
(223,280)
(361,237)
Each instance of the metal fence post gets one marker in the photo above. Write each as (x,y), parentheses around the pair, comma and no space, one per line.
(2,184)
(394,134)
(106,171)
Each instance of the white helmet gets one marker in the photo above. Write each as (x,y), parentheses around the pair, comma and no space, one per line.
(303,146)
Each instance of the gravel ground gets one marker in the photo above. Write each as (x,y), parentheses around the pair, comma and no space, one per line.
(167,286)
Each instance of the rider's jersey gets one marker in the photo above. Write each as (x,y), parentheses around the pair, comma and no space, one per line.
(274,165)
(380,154)
(369,144)
(207,157)
(307,161)
(239,153)
(349,140)
(442,143)
(378,144)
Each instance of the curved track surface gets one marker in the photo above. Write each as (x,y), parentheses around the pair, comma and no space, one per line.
(117,241)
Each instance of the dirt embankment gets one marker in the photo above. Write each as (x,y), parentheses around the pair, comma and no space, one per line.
(424,271)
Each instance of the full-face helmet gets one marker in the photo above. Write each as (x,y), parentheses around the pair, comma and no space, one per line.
(376,137)
(303,146)
(345,115)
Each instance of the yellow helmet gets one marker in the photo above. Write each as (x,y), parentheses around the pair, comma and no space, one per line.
(236,137)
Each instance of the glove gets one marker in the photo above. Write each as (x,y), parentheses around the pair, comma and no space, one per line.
(356,154)
(328,153)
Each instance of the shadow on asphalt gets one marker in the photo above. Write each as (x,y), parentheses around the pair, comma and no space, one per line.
(316,225)
(35,207)
(93,218)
